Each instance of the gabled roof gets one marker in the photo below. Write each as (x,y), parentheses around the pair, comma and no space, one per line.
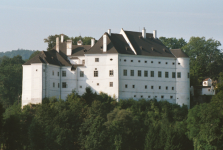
(206,79)
(49,57)
(147,46)
(178,53)
(115,44)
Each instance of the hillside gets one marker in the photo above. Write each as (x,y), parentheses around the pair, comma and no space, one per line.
(24,53)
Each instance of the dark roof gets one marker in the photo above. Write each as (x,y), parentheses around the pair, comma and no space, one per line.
(77,50)
(49,57)
(115,44)
(178,53)
(148,46)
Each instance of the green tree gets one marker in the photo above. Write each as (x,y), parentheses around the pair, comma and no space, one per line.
(206,59)
(173,43)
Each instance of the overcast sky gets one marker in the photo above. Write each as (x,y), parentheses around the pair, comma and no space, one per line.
(25,23)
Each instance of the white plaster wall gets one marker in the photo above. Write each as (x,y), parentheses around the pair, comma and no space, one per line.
(140,82)
(103,67)
(183,83)
(206,92)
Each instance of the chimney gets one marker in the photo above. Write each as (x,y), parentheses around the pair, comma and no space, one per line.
(69,47)
(57,44)
(109,32)
(92,42)
(154,34)
(104,43)
(144,33)
(62,38)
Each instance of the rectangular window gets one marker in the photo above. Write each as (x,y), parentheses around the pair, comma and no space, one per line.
(159,87)
(166,87)
(188,75)
(95,73)
(145,73)
(159,74)
(133,86)
(132,72)
(96,59)
(53,73)
(151,87)
(126,86)
(139,73)
(64,85)
(53,84)
(151,73)
(58,74)
(63,73)
(172,88)
(81,73)
(58,85)
(145,86)
(162,96)
(178,74)
(166,74)
(173,74)
(111,84)
(111,73)
(124,72)
(97,84)
(171,97)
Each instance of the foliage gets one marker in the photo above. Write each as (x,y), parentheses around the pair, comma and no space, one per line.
(173,43)
(206,59)
(10,80)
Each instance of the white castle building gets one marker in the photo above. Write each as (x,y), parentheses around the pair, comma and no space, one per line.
(125,65)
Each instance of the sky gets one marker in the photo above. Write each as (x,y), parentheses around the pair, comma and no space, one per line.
(25,23)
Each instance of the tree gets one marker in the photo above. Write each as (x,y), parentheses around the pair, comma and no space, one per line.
(173,43)
(206,59)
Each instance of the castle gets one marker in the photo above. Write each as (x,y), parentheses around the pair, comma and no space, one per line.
(125,65)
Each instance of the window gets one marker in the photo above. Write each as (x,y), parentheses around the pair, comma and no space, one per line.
(155,96)
(132,72)
(188,75)
(178,63)
(159,62)
(145,61)
(173,63)
(145,86)
(166,63)
(171,97)
(151,87)
(151,73)
(111,59)
(53,73)
(53,84)
(97,84)
(151,62)
(131,60)
(162,96)
(63,73)
(159,87)
(80,86)
(58,85)
(159,74)
(58,74)
(111,84)
(124,60)
(166,74)
(96,59)
(124,72)
(145,73)
(111,73)
(149,96)
(178,74)
(126,86)
(139,61)
(133,86)
(134,95)
(95,73)
(173,74)
(141,96)
(83,61)
(139,73)
(209,89)
(172,88)
(36,69)
(64,85)
(81,73)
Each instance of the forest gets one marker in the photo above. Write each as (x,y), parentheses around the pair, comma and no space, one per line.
(95,121)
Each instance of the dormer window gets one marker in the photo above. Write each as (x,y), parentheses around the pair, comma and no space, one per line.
(79,42)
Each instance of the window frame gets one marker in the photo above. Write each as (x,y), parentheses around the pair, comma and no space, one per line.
(64,85)
(125,73)
(145,73)
(81,73)
(159,74)
(132,73)
(139,73)
(151,73)
(95,73)
(97,59)
(166,74)
(64,73)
